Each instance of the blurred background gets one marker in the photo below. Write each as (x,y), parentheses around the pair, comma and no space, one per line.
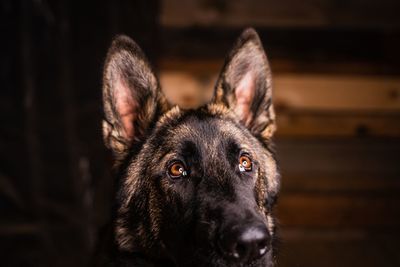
(336,91)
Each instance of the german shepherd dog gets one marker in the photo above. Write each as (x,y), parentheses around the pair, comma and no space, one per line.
(196,186)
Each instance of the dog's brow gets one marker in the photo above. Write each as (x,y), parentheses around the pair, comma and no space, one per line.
(182,149)
(167,155)
(232,144)
(237,142)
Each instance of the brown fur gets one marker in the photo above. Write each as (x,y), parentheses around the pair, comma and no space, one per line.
(145,133)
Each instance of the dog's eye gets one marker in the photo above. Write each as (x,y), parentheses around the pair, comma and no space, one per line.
(245,164)
(177,170)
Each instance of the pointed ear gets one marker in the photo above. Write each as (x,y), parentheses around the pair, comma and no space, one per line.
(131,96)
(244,85)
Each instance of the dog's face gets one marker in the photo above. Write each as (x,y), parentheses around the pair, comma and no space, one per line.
(196,186)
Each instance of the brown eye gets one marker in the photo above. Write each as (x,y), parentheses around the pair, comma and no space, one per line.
(177,170)
(245,163)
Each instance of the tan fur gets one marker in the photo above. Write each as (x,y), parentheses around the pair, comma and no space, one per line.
(137,114)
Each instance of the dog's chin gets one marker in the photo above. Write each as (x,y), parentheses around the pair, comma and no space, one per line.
(216,260)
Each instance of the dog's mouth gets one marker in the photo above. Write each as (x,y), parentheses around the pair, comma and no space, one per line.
(217,260)
(244,245)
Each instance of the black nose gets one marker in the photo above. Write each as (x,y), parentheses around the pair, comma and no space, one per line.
(245,243)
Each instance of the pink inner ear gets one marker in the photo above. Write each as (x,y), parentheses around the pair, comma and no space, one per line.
(244,93)
(126,108)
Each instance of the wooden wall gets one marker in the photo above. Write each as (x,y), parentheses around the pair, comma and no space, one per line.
(55,181)
(285,13)
(336,90)
(336,75)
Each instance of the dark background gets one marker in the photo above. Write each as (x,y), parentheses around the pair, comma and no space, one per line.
(337,94)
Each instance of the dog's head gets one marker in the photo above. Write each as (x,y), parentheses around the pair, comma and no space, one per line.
(196,186)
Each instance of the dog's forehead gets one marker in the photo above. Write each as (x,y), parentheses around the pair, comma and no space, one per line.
(212,132)
(208,131)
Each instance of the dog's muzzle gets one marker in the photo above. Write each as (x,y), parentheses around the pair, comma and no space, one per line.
(244,243)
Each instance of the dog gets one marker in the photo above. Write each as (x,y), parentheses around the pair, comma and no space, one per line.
(196,187)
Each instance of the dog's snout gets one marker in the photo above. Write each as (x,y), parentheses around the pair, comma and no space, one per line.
(245,243)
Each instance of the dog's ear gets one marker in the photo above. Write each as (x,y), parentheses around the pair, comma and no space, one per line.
(131,96)
(244,85)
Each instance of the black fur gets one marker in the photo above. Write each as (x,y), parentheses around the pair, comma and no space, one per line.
(165,221)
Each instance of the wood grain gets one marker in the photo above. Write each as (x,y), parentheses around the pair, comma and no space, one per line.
(332,211)
(289,13)
(300,124)
(308,105)
(338,92)
(305,91)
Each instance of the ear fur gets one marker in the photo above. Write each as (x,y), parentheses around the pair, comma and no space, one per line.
(245,85)
(131,96)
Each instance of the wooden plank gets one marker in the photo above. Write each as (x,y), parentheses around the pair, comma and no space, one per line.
(337,124)
(237,13)
(22,229)
(279,66)
(289,13)
(389,242)
(337,92)
(303,91)
(193,66)
(294,234)
(186,89)
(342,248)
(344,157)
(320,50)
(307,105)
(330,211)
(341,184)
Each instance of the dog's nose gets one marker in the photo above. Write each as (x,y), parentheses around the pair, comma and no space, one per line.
(245,244)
